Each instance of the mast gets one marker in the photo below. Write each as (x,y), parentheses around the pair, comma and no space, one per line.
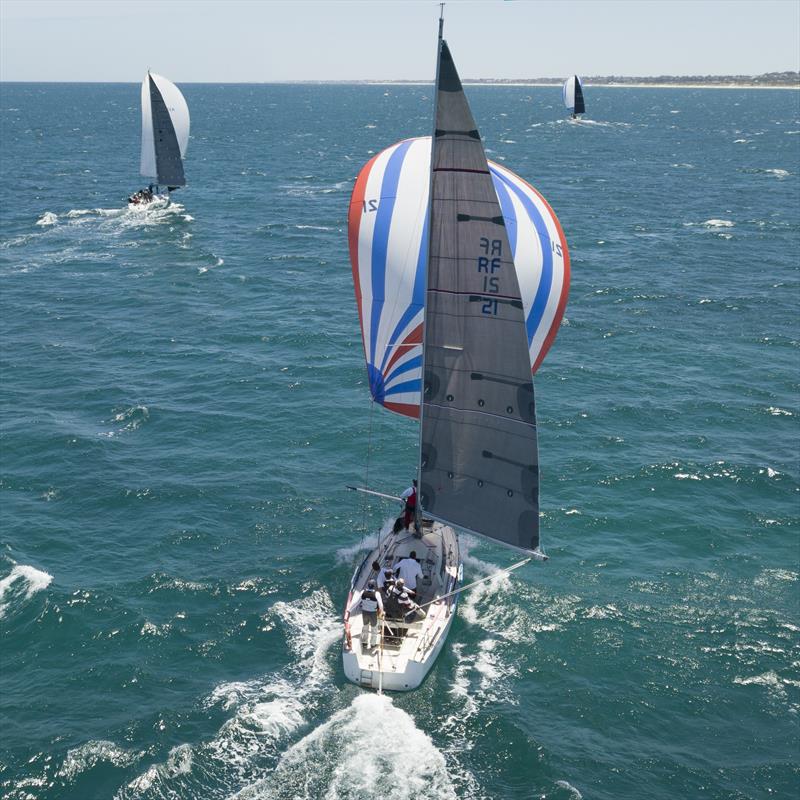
(418,507)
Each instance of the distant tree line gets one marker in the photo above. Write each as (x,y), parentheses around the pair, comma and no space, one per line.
(787,78)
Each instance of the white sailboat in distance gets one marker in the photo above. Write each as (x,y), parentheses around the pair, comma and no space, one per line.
(572,93)
(434,230)
(165,137)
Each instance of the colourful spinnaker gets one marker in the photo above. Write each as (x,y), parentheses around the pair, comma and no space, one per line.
(388,241)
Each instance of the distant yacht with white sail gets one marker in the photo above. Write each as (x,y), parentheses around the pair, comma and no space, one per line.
(572,92)
(165,136)
(461,277)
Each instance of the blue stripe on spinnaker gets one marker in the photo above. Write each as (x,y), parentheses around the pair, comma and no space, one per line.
(380,238)
(546,281)
(507,207)
(402,388)
(406,366)
(417,294)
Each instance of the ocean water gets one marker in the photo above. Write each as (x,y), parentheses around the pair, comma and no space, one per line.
(184,400)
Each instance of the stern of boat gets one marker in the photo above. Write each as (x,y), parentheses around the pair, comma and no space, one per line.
(407,650)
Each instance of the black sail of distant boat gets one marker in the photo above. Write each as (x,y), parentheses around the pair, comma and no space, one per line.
(478,451)
(572,93)
(165,131)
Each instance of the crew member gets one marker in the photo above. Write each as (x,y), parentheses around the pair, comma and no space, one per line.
(409,497)
(371,609)
(410,610)
(383,574)
(409,570)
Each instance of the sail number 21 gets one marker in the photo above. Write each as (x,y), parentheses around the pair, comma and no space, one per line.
(488,263)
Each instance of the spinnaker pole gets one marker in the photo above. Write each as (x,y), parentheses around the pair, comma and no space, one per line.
(475,583)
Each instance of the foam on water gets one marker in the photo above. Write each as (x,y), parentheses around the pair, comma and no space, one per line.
(474,601)
(133,417)
(351,553)
(267,711)
(573,792)
(714,223)
(48,218)
(158,776)
(482,675)
(22,583)
(89,755)
(129,216)
(348,757)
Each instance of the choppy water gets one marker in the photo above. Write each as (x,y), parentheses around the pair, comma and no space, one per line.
(183,401)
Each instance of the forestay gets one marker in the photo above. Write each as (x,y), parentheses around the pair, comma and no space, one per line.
(165,131)
(478,450)
(572,92)
(387,217)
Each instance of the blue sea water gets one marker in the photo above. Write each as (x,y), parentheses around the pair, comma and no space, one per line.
(184,400)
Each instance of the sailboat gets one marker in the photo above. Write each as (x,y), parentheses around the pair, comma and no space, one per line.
(572,92)
(165,136)
(434,230)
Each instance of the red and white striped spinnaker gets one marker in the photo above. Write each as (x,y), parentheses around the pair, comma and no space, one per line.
(388,239)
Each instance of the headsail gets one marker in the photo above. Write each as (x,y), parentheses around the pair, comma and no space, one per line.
(478,449)
(165,131)
(572,92)
(388,241)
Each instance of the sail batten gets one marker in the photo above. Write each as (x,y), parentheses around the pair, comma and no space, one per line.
(479,453)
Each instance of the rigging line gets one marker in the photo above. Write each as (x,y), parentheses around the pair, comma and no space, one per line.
(365,502)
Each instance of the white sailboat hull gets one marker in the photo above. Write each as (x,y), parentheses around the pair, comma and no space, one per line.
(406,652)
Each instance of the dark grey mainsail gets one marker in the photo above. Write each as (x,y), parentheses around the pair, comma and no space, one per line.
(479,457)
(580,106)
(169,165)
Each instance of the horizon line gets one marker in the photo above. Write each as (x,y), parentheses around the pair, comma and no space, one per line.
(617,80)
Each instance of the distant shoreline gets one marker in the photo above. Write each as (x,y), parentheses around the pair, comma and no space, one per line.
(795,87)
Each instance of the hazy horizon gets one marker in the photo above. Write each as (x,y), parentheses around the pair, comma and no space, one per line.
(245,41)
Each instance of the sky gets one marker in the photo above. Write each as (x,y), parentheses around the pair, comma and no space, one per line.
(296,40)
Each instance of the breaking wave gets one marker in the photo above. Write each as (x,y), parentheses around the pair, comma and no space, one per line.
(21,584)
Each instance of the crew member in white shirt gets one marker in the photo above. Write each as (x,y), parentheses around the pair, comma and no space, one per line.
(409,570)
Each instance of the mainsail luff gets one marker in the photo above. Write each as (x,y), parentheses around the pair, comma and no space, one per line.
(478,447)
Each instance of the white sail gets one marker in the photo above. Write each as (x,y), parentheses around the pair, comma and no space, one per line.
(148,163)
(178,110)
(165,130)
(572,94)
